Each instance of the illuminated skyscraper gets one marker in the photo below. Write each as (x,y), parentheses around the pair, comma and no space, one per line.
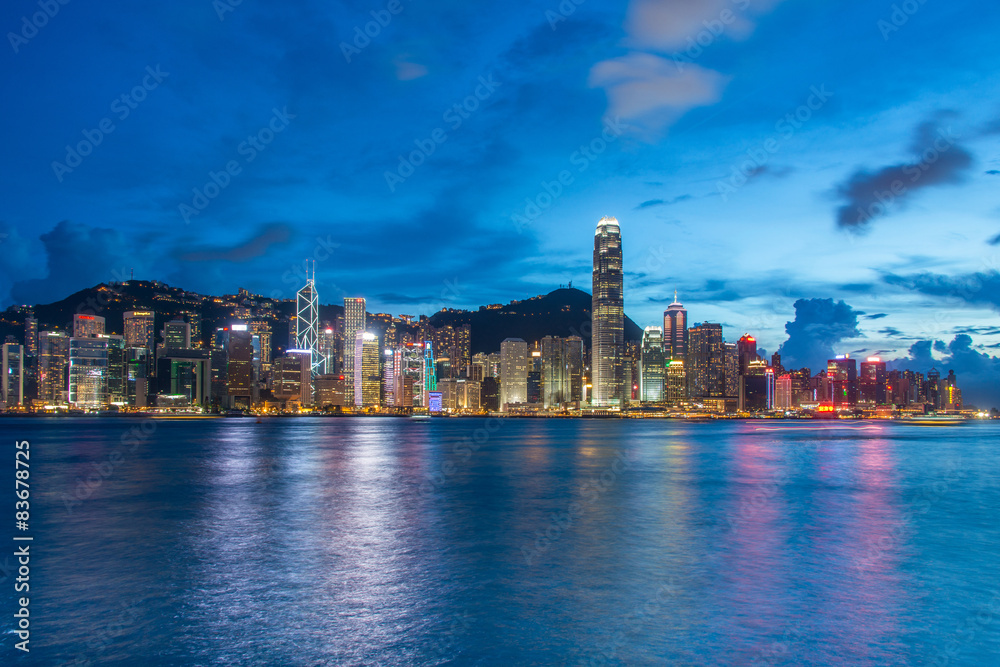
(53,356)
(675,384)
(88,366)
(842,375)
(11,375)
(307,322)
(675,333)
(31,336)
(367,378)
(176,335)
(607,316)
(85,326)
(706,366)
(513,372)
(652,368)
(239,369)
(872,383)
(562,369)
(139,329)
(354,321)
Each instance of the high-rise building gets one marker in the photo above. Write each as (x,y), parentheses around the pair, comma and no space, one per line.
(307,323)
(513,372)
(607,317)
(88,366)
(561,370)
(184,377)
(31,336)
(746,350)
(367,376)
(85,326)
(873,383)
(842,375)
(117,371)
(239,369)
(176,335)
(706,367)
(53,358)
(11,375)
(328,350)
(756,387)
(675,383)
(732,370)
(292,377)
(354,321)
(784,396)
(263,356)
(140,330)
(675,333)
(329,390)
(652,369)
(490,394)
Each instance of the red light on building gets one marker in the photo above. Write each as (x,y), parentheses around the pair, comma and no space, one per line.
(86,317)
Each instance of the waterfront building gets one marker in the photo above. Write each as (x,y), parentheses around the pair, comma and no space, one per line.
(88,365)
(707,360)
(86,326)
(513,372)
(675,332)
(354,321)
(367,375)
(842,378)
(873,383)
(652,368)
(53,360)
(607,317)
(12,370)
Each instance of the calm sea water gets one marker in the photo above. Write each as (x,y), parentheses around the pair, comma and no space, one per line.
(467,541)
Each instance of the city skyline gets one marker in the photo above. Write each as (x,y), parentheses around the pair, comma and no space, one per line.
(816,139)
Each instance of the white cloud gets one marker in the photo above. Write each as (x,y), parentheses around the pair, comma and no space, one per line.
(651,92)
(407,71)
(674,25)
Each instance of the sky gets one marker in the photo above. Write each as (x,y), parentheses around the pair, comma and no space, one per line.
(822,174)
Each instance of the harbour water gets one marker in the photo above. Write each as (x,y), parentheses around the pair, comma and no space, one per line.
(530,541)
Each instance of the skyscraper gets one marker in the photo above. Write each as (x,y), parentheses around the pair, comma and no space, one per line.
(562,368)
(873,383)
(85,326)
(11,375)
(513,372)
(706,361)
(354,321)
(88,366)
(307,323)
(675,333)
(176,335)
(31,336)
(842,374)
(239,369)
(53,355)
(607,316)
(653,366)
(139,329)
(367,378)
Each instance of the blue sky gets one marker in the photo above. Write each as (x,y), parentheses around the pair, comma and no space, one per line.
(671,115)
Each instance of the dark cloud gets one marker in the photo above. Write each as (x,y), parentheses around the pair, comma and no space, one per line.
(939,160)
(254,247)
(981,288)
(79,256)
(857,287)
(820,324)
(994,172)
(394,297)
(662,202)
(876,316)
(995,240)
(979,331)
(977,372)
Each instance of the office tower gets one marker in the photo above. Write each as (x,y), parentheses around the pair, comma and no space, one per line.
(53,358)
(11,375)
(176,335)
(706,361)
(85,326)
(652,367)
(139,329)
(732,370)
(746,350)
(292,377)
(776,365)
(513,372)
(801,392)
(842,375)
(873,383)
(31,336)
(137,376)
(184,377)
(607,317)
(354,321)
(391,339)
(88,365)
(490,394)
(239,367)
(784,396)
(459,394)
(367,379)
(261,330)
(561,370)
(675,333)
(430,372)
(535,376)
(307,322)
(756,387)
(951,395)
(117,373)
(194,321)
(328,351)
(675,383)
(932,388)
(462,355)
(329,390)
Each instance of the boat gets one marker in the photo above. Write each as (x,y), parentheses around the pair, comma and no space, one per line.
(934,419)
(420,418)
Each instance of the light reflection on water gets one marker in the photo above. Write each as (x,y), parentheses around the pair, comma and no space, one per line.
(382,541)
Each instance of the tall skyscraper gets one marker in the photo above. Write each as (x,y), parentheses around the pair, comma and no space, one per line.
(117,375)
(562,370)
(85,326)
(140,329)
(513,372)
(88,367)
(842,374)
(31,336)
(872,384)
(11,375)
(706,361)
(307,323)
(675,383)
(367,377)
(239,369)
(675,333)
(652,369)
(354,321)
(53,357)
(607,316)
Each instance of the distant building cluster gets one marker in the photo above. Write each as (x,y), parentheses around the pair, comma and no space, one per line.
(257,356)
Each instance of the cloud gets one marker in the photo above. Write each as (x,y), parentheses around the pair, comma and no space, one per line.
(994,172)
(995,240)
(675,25)
(78,256)
(650,92)
(982,288)
(258,245)
(939,160)
(662,202)
(395,297)
(876,316)
(406,70)
(819,325)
